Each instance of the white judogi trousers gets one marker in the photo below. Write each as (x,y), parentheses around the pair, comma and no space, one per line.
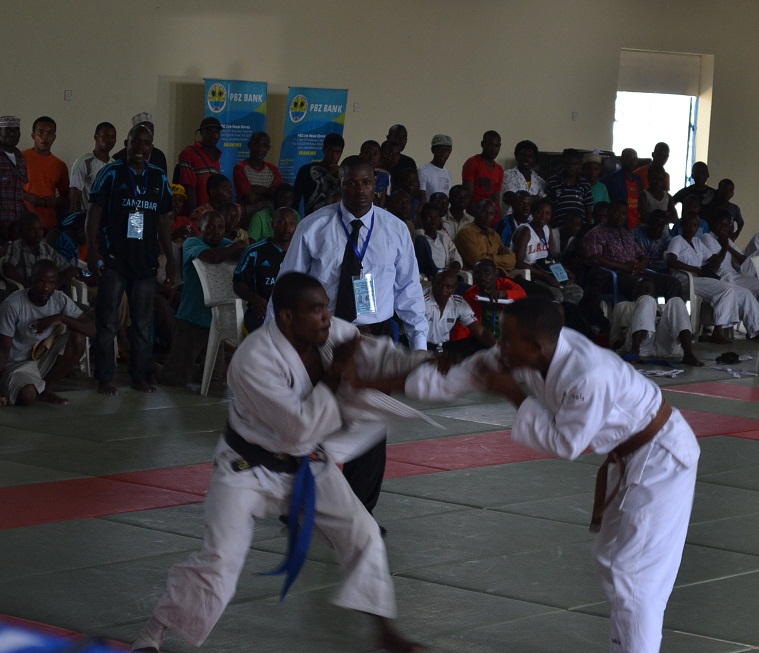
(661,335)
(719,294)
(199,589)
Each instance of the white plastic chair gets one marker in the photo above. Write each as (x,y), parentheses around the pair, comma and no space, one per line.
(695,307)
(227,311)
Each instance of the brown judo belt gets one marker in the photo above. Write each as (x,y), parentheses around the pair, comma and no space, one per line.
(616,456)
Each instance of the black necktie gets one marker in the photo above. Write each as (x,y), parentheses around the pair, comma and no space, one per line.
(345,304)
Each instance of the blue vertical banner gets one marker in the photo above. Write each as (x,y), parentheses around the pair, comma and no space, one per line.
(312,113)
(241,109)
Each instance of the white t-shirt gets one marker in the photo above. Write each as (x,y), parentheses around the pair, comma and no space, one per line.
(17,313)
(456,310)
(433,179)
(83,174)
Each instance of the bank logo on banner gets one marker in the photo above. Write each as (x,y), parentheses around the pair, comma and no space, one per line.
(298,108)
(217,98)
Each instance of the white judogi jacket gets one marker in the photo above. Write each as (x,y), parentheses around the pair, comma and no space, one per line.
(266,371)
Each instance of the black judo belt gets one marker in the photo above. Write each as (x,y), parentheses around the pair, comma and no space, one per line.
(254,455)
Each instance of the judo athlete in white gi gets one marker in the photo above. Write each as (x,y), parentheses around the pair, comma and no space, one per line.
(289,398)
(645,328)
(727,254)
(579,396)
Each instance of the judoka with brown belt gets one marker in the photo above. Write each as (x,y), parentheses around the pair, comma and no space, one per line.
(572,396)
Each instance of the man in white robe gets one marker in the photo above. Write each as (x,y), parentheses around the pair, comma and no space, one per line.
(581,397)
(289,399)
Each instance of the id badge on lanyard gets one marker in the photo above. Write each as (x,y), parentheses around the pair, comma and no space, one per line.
(364,294)
(136,218)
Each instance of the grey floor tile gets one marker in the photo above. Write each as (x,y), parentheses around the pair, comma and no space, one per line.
(572,508)
(714,500)
(739,534)
(393,508)
(500,414)
(725,454)
(412,431)
(500,485)
(746,479)
(13,473)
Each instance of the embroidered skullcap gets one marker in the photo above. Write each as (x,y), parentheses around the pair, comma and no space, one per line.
(442,139)
(144,116)
(10,121)
(592,157)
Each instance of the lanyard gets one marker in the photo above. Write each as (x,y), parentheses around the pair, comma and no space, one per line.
(542,239)
(359,255)
(133,179)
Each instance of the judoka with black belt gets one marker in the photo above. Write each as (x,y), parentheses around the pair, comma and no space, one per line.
(291,418)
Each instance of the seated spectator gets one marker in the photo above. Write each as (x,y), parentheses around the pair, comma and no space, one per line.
(42,336)
(591,170)
(433,176)
(644,328)
(625,186)
(659,157)
(260,227)
(433,247)
(259,266)
(69,238)
(255,178)
(316,181)
(390,154)
(725,192)
(231,214)
(686,253)
(194,317)
(441,203)
(521,208)
(566,238)
(700,175)
(479,240)
(457,217)
(490,288)
(751,251)
(568,191)
(87,166)
(47,189)
(612,246)
(653,240)
(522,177)
(656,197)
(691,204)
(399,204)
(23,253)
(533,248)
(218,191)
(444,311)
(370,150)
(600,213)
(727,255)
(481,175)
(408,180)
(199,162)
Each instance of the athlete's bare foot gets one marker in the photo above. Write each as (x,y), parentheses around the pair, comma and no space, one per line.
(692,361)
(719,339)
(52,398)
(107,389)
(391,640)
(141,385)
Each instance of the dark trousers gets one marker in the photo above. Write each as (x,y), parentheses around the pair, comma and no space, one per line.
(364,474)
(140,292)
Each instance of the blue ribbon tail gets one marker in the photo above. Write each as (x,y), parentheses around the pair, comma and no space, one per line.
(303,500)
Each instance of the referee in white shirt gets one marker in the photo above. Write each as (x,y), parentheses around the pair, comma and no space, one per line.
(330,241)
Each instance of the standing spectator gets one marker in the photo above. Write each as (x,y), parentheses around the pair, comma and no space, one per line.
(255,178)
(157,157)
(390,154)
(568,191)
(725,192)
(433,176)
(522,176)
(371,151)
(259,266)
(198,162)
(457,217)
(13,174)
(193,316)
(352,238)
(36,349)
(87,166)
(130,212)
(700,175)
(659,157)
(656,197)
(315,182)
(625,186)
(399,134)
(481,175)
(591,170)
(47,190)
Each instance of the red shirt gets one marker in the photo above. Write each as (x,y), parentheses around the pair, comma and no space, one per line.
(195,167)
(486,181)
(48,177)
(513,291)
